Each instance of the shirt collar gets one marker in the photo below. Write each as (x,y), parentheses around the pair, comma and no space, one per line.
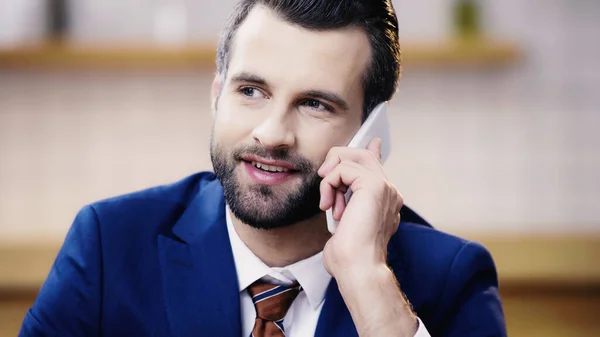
(310,272)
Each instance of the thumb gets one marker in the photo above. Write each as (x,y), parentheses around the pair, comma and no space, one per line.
(375,147)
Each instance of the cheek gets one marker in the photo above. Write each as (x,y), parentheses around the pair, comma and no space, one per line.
(231,123)
(315,142)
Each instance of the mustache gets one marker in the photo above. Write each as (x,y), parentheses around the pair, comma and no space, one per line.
(283,154)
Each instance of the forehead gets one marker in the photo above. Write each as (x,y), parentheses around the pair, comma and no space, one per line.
(289,55)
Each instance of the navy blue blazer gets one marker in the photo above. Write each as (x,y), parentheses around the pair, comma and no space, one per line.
(159,263)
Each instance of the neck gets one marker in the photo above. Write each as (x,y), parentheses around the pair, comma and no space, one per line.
(283,246)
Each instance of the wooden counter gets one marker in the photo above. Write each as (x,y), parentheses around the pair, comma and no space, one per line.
(525,263)
(550,286)
(453,53)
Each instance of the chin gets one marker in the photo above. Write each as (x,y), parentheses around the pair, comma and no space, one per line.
(270,206)
(259,207)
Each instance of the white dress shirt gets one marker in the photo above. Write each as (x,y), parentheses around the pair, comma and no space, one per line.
(302,316)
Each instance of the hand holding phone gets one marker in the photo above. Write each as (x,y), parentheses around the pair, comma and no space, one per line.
(376,125)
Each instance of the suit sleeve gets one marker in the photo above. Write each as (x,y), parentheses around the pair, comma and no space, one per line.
(68,303)
(472,290)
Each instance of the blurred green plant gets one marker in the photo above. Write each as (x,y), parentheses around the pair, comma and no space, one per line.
(467,19)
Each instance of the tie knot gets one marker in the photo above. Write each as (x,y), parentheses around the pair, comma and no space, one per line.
(273,301)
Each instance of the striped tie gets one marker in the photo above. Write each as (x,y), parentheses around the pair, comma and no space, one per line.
(271,302)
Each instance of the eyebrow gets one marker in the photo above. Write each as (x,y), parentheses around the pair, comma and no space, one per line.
(328,96)
(245,77)
(248,78)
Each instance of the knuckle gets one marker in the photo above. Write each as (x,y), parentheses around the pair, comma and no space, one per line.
(380,185)
(328,179)
(334,151)
(323,182)
(400,199)
(366,155)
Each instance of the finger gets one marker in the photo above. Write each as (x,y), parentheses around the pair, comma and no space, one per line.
(328,194)
(344,174)
(339,205)
(339,154)
(375,147)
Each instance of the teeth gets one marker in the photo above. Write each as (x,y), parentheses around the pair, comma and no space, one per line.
(269,168)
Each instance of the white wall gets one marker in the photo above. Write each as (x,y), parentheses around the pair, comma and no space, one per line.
(510,150)
(21,21)
(136,20)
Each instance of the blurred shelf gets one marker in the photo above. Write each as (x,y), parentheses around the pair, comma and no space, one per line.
(526,264)
(454,53)
(461,54)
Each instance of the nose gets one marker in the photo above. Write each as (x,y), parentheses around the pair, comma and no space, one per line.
(275,131)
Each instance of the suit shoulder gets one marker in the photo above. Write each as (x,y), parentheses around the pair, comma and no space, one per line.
(424,246)
(446,277)
(426,258)
(178,193)
(152,208)
(427,241)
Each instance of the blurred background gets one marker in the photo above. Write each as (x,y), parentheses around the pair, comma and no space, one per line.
(496,132)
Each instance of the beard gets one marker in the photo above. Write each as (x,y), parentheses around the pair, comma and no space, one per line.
(264,206)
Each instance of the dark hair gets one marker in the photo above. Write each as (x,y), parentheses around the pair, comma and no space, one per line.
(376,17)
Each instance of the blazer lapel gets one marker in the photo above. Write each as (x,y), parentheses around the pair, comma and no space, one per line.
(198,270)
(335,319)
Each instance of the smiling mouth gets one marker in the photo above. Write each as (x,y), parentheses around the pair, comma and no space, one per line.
(269,168)
(274,173)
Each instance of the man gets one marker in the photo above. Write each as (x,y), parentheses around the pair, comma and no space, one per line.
(245,251)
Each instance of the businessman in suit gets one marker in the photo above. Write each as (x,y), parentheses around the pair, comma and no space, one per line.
(245,251)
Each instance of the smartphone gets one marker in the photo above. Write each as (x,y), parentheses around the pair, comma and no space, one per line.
(376,125)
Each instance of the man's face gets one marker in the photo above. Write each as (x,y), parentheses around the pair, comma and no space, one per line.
(290,94)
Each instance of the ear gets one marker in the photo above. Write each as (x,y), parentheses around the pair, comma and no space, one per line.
(215,92)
